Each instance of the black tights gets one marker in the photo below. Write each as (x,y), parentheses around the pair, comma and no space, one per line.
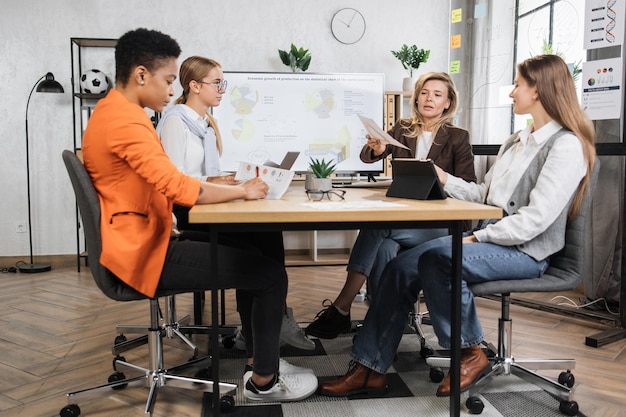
(256,250)
(261,285)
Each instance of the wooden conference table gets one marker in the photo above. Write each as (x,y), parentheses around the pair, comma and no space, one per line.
(362,208)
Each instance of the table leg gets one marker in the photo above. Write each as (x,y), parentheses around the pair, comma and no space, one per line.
(455,301)
(215,332)
(198,303)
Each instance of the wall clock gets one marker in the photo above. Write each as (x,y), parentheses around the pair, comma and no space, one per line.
(348,26)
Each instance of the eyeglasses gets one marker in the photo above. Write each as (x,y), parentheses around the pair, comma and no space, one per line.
(319,195)
(220,85)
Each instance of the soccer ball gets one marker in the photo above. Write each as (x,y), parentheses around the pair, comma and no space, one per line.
(94,82)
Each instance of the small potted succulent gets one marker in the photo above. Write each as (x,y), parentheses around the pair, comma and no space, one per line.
(318,177)
(296,58)
(411,58)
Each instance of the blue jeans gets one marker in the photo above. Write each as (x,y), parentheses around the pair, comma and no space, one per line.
(427,267)
(374,248)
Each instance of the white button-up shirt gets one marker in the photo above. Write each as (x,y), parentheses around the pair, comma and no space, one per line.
(185,149)
(560,176)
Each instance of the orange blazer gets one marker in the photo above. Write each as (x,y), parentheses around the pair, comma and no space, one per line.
(137,185)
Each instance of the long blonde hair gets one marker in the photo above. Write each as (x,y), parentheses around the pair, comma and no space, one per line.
(195,68)
(557,94)
(415,125)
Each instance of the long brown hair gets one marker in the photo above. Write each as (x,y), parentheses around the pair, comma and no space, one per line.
(196,68)
(557,94)
(415,125)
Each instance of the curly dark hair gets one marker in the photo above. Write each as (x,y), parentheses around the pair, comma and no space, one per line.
(142,47)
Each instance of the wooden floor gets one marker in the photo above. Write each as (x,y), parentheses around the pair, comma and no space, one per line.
(57,330)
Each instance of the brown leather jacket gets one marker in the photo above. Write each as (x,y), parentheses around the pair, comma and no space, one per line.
(451,150)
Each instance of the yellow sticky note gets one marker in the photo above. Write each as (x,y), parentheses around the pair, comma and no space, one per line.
(455,67)
(457,15)
(455,41)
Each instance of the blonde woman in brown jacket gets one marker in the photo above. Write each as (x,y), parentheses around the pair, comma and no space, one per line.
(428,133)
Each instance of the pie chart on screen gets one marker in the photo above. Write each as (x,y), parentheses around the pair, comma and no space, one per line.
(243,99)
(243,130)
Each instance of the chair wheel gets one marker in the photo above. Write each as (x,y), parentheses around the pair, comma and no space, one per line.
(120,338)
(228,342)
(567,379)
(117,358)
(474,405)
(70,410)
(117,376)
(436,375)
(204,373)
(426,351)
(569,408)
(227,404)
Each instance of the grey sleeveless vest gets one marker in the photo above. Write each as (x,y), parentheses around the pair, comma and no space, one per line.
(553,238)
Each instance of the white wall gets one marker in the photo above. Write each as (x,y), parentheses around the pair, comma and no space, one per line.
(243,35)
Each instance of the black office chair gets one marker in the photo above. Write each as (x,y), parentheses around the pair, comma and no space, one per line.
(564,273)
(171,324)
(155,376)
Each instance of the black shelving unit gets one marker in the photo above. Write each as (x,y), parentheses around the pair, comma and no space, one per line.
(83,104)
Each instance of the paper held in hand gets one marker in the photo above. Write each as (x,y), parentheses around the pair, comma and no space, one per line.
(278,179)
(376,132)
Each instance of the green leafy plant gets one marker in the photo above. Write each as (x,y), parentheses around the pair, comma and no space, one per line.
(575,68)
(321,169)
(411,57)
(296,58)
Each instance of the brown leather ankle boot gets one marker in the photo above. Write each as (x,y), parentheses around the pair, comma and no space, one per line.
(474,363)
(358,380)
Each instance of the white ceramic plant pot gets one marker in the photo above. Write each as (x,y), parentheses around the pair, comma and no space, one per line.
(312,183)
(408,83)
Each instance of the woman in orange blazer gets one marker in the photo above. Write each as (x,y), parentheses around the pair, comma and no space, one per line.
(137,186)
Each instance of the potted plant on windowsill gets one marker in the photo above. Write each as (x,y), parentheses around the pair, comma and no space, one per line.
(575,68)
(296,58)
(318,177)
(411,58)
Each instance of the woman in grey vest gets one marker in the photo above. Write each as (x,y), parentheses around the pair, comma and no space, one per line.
(539,179)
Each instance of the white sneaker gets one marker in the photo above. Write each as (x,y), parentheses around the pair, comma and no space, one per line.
(289,387)
(240,341)
(284,368)
(246,376)
(293,335)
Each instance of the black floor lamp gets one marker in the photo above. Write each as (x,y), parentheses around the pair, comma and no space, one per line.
(45,84)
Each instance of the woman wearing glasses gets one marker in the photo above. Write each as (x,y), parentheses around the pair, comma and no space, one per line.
(188,132)
(192,140)
(428,133)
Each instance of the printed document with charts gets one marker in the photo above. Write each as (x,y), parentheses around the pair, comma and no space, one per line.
(278,179)
(376,132)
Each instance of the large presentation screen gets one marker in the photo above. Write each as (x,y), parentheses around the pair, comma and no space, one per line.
(263,116)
